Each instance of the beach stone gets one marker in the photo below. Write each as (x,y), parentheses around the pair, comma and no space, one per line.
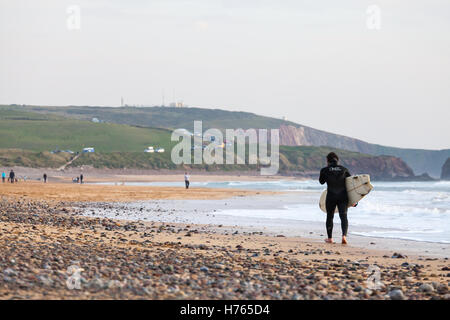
(358,289)
(10,272)
(426,287)
(435,284)
(396,294)
(45,280)
(114,284)
(204,269)
(323,282)
(442,288)
(97,284)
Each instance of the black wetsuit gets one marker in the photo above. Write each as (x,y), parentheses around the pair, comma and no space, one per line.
(12,176)
(334,175)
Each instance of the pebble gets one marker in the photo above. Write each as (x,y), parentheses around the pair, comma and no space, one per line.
(426,287)
(442,288)
(396,294)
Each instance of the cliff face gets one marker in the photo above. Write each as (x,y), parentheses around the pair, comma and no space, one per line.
(445,174)
(380,168)
(421,161)
(308,161)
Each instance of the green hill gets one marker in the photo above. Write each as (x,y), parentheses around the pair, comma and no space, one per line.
(162,117)
(291,134)
(37,132)
(27,138)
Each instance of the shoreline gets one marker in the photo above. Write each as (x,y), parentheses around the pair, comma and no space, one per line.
(214,212)
(209,206)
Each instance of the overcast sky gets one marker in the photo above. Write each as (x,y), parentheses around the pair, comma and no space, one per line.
(316,62)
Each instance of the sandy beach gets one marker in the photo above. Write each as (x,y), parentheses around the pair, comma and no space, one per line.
(117,193)
(47,233)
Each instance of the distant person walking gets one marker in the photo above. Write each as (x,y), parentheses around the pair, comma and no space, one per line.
(45,178)
(3,177)
(334,175)
(186,180)
(81,178)
(12,176)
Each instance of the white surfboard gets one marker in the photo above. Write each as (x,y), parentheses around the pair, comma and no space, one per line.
(357,188)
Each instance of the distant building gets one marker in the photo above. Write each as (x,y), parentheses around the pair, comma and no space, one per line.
(178,104)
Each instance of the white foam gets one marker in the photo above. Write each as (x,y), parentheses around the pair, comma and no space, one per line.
(407,210)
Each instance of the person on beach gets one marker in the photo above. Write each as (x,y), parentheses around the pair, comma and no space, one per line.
(12,176)
(3,176)
(81,178)
(186,180)
(334,175)
(45,178)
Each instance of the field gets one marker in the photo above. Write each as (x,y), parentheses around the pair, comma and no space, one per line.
(35,132)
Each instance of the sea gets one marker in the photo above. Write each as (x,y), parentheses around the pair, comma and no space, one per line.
(417,211)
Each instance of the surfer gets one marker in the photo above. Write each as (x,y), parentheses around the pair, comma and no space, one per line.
(334,175)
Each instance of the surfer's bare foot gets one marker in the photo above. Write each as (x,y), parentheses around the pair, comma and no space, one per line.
(344,240)
(329,240)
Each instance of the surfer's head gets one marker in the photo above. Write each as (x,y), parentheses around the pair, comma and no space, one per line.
(332,157)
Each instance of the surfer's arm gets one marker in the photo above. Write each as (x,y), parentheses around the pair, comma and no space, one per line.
(322,178)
